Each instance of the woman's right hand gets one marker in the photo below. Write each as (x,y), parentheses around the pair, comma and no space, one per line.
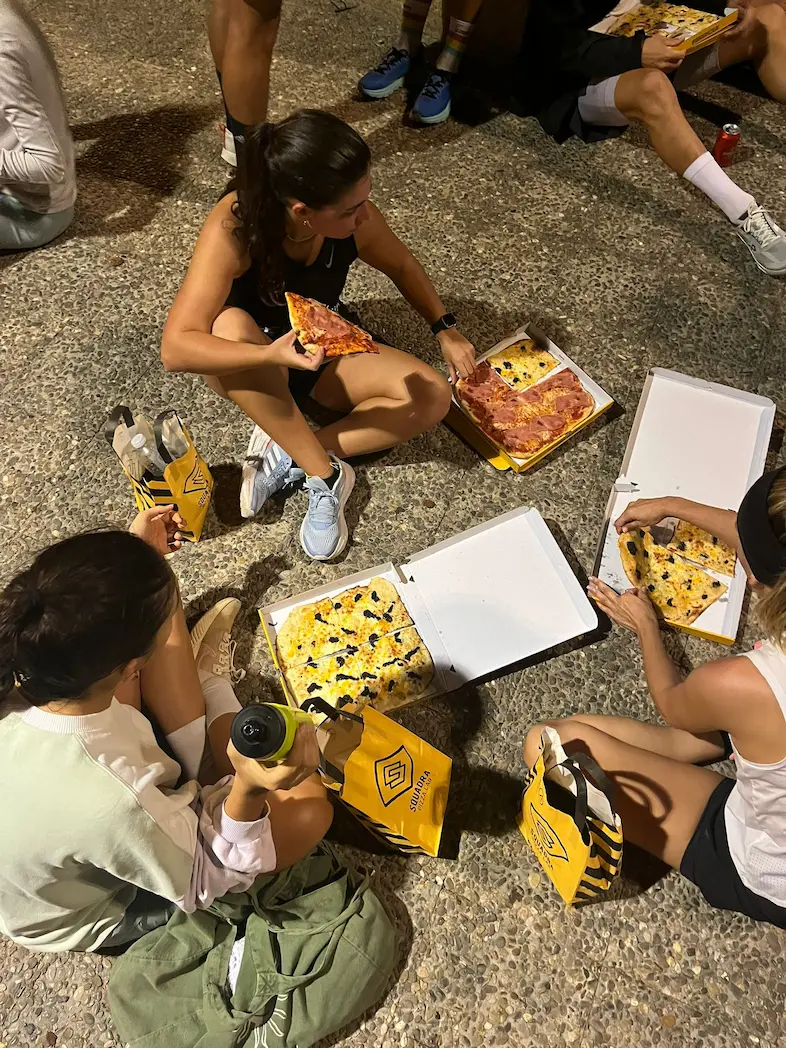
(643,513)
(301,762)
(284,352)
(658,53)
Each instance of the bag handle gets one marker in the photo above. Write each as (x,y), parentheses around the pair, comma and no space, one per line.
(596,774)
(117,415)
(320,706)
(580,816)
(158,431)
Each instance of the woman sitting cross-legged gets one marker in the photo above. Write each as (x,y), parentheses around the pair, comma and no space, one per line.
(295,220)
(101,844)
(727,836)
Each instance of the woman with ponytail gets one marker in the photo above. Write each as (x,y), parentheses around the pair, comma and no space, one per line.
(107,834)
(726,835)
(296,218)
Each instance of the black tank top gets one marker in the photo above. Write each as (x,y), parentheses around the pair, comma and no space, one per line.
(323,280)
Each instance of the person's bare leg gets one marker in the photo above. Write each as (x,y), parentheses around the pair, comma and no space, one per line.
(390,397)
(647,95)
(670,742)
(242,37)
(660,800)
(764,44)
(263,394)
(299,819)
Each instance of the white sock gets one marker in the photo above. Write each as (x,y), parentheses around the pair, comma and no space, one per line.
(188,745)
(708,176)
(219,695)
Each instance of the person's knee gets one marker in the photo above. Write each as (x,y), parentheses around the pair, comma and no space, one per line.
(772,17)
(431,395)
(654,96)
(533,740)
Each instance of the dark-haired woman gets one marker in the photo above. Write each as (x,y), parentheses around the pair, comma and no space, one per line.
(727,836)
(297,219)
(100,843)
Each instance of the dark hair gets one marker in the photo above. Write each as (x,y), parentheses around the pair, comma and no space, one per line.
(85,607)
(312,157)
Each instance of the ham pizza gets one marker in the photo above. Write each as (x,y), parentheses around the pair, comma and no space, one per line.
(318,327)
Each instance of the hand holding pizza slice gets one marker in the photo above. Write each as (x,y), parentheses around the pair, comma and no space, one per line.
(320,329)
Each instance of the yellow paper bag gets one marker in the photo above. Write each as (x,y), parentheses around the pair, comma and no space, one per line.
(568,819)
(183,479)
(394,782)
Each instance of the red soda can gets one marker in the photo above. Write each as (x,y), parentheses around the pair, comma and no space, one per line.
(726,143)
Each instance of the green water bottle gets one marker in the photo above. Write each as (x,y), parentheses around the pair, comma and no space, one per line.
(266,731)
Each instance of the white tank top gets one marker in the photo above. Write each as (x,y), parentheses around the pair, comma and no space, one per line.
(756,808)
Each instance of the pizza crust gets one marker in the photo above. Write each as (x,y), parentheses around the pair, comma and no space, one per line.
(702,548)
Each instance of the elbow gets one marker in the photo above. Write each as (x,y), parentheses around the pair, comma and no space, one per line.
(170,358)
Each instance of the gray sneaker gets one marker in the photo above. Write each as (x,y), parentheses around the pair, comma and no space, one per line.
(323,533)
(765,240)
(267,469)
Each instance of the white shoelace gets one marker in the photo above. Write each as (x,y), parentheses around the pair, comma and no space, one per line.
(226,661)
(761,225)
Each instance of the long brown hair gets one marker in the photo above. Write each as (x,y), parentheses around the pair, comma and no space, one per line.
(311,157)
(771,606)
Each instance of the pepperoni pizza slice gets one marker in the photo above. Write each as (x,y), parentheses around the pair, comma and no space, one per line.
(318,327)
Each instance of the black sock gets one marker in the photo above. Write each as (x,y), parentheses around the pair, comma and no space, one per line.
(331,480)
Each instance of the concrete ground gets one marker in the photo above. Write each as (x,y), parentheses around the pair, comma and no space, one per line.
(625,266)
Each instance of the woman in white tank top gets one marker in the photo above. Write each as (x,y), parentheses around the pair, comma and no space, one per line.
(728,836)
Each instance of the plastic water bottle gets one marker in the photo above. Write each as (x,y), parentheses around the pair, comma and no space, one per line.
(146,456)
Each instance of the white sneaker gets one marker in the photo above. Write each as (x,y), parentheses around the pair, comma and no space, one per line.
(765,240)
(267,469)
(324,533)
(214,651)
(228,148)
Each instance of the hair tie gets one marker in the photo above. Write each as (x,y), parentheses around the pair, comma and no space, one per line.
(764,551)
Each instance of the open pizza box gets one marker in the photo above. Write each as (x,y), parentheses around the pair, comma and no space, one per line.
(704,442)
(491,596)
(676,22)
(461,421)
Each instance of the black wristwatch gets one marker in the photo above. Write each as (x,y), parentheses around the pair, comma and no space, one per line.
(448,320)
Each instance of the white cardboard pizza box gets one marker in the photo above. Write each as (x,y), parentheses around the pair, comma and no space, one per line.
(704,442)
(460,419)
(476,610)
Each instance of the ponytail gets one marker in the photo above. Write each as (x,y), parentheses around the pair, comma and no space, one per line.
(85,608)
(312,158)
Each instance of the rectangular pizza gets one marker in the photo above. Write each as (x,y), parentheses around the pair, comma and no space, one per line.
(686,27)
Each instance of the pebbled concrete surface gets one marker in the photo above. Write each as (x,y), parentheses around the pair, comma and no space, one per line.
(623,265)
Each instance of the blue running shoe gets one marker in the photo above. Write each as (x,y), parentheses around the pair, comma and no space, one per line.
(432,105)
(323,533)
(267,469)
(388,76)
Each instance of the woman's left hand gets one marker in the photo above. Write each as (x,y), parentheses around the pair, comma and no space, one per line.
(158,527)
(632,609)
(459,354)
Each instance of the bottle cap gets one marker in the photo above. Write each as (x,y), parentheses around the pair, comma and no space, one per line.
(138,441)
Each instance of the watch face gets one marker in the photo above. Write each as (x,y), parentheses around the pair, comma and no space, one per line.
(449,320)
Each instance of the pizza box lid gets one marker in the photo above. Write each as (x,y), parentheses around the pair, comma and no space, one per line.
(602,399)
(700,440)
(484,599)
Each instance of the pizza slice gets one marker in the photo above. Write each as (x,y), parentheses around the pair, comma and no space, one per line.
(318,327)
(680,592)
(700,547)
(307,634)
(522,364)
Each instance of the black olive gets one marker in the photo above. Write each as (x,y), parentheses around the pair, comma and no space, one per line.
(665,575)
(651,588)
(704,596)
(716,584)
(632,548)
(414,651)
(641,533)
(349,633)
(543,363)
(373,638)
(314,687)
(516,380)
(318,618)
(391,685)
(351,649)
(367,693)
(688,584)
(705,555)
(670,602)
(670,560)
(365,675)
(714,540)
(681,546)
(333,640)
(374,595)
(340,660)
(387,618)
(345,676)
(370,615)
(358,596)
(337,605)
(299,647)
(507,364)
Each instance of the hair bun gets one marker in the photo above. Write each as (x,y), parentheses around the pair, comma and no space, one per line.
(30,604)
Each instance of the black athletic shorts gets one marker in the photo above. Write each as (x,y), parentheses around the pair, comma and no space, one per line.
(708,863)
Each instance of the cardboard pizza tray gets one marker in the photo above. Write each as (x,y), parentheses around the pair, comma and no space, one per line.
(489,597)
(461,421)
(704,442)
(696,42)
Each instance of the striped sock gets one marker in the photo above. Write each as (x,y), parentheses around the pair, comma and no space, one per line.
(459,33)
(412,22)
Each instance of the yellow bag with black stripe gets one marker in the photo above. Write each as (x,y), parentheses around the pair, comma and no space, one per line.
(567,816)
(162,464)
(393,782)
